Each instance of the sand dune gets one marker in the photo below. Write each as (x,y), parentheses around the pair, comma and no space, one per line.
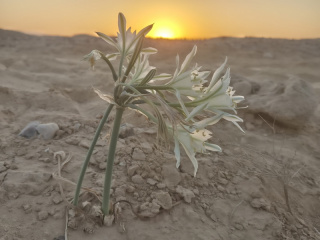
(237,194)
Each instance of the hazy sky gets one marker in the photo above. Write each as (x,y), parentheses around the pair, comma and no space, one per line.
(172,18)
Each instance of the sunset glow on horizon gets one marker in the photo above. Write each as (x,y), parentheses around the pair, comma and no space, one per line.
(172,19)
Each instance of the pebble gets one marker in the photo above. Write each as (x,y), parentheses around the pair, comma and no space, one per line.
(146,147)
(102,165)
(149,209)
(221,189)
(72,141)
(260,203)
(57,199)
(185,193)
(138,154)
(137,179)
(85,144)
(130,189)
(171,175)
(151,181)
(43,215)
(120,192)
(27,208)
(164,200)
(238,226)
(126,130)
(223,181)
(132,170)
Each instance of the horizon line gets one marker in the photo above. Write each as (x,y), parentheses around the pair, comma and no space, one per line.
(32,33)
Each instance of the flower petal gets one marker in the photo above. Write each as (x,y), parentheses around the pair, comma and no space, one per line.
(177,151)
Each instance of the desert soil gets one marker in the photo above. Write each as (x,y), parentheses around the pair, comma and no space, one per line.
(237,194)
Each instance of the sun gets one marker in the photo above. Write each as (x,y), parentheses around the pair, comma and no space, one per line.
(164,32)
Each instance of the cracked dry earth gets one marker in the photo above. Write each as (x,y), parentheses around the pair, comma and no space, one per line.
(237,194)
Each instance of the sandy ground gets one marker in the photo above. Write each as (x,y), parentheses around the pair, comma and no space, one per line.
(240,193)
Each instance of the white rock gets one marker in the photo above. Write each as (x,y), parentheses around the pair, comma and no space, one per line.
(47,130)
(30,130)
(185,193)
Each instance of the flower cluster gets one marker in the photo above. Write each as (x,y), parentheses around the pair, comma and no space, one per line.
(182,105)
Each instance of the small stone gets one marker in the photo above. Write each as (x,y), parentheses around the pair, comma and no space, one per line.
(223,181)
(132,170)
(238,226)
(171,175)
(164,200)
(27,208)
(260,203)
(187,194)
(102,165)
(137,179)
(151,181)
(130,189)
(146,147)
(56,199)
(52,211)
(221,189)
(120,192)
(72,141)
(126,130)
(138,154)
(84,144)
(149,209)
(43,215)
(213,217)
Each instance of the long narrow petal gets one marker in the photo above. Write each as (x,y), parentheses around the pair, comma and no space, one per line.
(177,151)
(191,156)
(217,74)
(108,39)
(122,29)
(188,59)
(212,147)
(106,97)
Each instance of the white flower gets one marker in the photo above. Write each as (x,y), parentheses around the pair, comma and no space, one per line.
(141,69)
(193,141)
(92,57)
(126,40)
(186,80)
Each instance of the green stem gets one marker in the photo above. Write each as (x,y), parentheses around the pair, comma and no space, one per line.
(110,160)
(86,162)
(154,87)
